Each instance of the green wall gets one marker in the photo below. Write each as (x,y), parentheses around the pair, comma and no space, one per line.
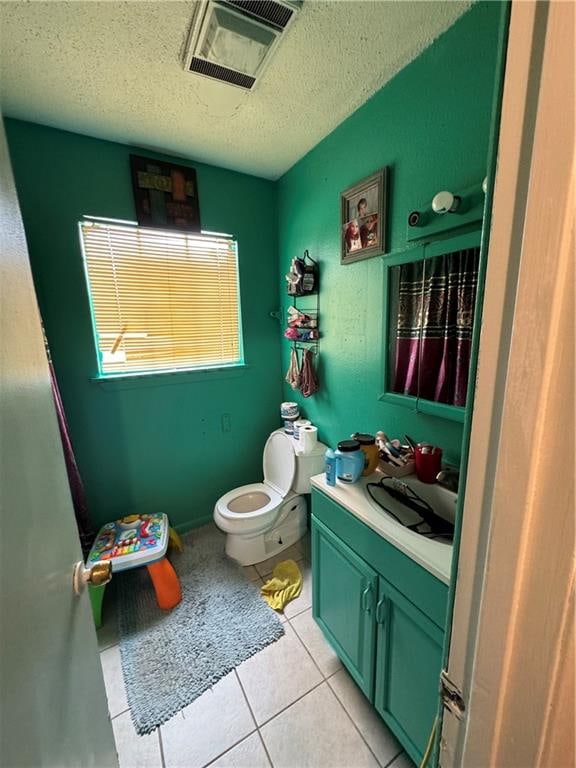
(155,444)
(430,125)
(159,444)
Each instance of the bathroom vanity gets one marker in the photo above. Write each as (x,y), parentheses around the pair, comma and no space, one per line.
(379,595)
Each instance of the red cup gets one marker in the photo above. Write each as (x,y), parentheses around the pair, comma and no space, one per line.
(428,461)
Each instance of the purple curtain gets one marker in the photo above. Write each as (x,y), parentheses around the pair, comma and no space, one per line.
(434,326)
(85,530)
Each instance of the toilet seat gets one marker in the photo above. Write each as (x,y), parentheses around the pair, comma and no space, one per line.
(251,520)
(279,463)
(274,499)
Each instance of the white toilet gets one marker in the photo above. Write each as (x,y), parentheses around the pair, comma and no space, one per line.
(262,519)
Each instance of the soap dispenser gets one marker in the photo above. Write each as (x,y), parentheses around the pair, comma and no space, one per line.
(330,459)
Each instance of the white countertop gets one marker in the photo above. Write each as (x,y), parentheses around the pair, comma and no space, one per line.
(434,556)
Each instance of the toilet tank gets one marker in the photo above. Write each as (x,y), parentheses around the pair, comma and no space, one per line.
(307,465)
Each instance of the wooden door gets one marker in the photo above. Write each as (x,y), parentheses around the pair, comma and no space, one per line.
(511,652)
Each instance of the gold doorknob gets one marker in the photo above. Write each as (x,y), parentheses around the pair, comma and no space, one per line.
(100,573)
(97,575)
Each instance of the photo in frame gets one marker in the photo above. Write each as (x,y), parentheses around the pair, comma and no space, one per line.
(165,194)
(363,218)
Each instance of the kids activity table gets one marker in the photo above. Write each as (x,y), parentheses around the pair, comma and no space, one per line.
(133,542)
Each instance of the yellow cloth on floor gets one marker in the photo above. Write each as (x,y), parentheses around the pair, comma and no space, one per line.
(174,540)
(285,585)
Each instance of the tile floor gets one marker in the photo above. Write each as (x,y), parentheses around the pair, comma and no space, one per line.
(292,705)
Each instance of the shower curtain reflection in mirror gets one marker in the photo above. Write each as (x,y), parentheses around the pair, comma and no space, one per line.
(432,305)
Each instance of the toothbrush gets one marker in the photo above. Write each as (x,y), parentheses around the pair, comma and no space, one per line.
(412,443)
(396,460)
(394,451)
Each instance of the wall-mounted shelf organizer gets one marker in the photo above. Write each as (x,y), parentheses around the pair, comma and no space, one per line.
(303,316)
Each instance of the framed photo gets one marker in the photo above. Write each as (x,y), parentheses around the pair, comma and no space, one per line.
(363,218)
(165,195)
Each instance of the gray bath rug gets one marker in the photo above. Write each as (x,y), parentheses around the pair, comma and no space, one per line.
(171,658)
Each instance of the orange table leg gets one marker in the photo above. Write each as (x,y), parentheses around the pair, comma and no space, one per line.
(166,584)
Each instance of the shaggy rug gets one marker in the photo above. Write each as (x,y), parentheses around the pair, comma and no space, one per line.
(169,659)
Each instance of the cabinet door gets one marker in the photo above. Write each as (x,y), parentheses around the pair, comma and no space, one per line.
(343,602)
(408,663)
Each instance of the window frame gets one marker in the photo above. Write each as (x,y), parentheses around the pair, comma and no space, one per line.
(423,251)
(149,377)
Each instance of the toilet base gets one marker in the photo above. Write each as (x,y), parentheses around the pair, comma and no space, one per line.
(248,550)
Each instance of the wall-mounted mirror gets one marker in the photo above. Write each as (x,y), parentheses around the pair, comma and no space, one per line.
(430,301)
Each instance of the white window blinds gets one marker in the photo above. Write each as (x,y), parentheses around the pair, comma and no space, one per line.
(161,300)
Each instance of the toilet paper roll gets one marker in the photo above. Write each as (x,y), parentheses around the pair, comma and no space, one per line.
(289,426)
(298,426)
(308,438)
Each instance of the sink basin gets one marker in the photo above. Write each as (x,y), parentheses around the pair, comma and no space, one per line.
(426,509)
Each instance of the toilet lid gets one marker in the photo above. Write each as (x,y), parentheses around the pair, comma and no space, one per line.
(279,463)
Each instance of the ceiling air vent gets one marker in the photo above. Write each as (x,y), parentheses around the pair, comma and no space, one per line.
(216,72)
(233,40)
(267,11)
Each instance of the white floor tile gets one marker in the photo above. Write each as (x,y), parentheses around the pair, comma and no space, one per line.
(305,546)
(304,600)
(248,754)
(251,572)
(402,761)
(208,727)
(135,751)
(108,633)
(278,675)
(316,732)
(114,681)
(316,644)
(377,735)
(267,566)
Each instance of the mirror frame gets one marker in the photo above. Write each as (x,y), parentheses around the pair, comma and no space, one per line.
(421,252)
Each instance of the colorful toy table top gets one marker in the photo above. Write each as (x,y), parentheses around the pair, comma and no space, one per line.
(131,541)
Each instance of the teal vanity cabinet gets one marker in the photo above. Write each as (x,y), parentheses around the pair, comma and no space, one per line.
(346,590)
(408,667)
(384,616)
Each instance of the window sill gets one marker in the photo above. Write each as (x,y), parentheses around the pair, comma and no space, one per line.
(428,407)
(168,378)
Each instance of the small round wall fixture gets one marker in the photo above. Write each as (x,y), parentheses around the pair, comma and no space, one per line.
(445,202)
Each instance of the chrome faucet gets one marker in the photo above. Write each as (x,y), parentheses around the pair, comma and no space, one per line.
(449,478)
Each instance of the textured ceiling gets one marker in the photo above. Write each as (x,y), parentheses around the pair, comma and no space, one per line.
(113,70)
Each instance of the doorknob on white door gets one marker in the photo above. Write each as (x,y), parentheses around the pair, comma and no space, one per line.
(97,575)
